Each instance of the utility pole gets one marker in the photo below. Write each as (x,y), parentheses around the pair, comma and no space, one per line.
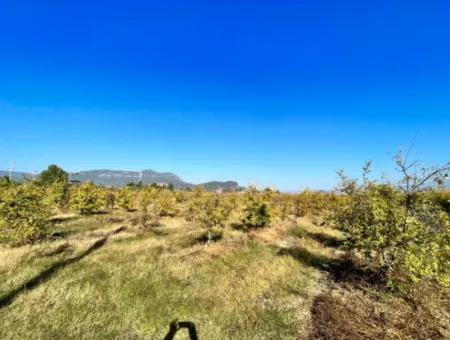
(11,169)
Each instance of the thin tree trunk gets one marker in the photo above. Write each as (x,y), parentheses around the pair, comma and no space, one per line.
(209,237)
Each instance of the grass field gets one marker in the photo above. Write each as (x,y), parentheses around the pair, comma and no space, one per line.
(97,280)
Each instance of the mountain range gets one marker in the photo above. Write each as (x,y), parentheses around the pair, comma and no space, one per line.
(119,178)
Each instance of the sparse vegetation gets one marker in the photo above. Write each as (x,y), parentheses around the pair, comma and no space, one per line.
(280,267)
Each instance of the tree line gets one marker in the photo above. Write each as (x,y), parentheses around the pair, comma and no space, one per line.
(401,228)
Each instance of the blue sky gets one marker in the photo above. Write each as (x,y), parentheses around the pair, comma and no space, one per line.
(265,92)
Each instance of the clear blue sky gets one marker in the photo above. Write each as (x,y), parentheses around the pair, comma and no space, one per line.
(269,92)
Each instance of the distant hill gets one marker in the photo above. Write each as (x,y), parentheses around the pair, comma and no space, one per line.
(17,176)
(120,178)
(226,186)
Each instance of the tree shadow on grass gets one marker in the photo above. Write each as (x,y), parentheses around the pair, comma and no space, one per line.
(61,219)
(326,240)
(348,272)
(360,318)
(47,274)
(114,219)
(215,237)
(341,270)
(238,226)
(306,257)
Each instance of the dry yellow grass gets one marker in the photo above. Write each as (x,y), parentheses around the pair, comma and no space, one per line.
(257,285)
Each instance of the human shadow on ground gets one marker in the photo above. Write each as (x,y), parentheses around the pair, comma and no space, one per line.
(175,326)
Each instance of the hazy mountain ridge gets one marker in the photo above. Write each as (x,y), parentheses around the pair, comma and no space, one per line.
(17,176)
(118,178)
(217,185)
(121,177)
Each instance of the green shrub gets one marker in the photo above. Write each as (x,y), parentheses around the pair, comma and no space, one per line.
(5,182)
(53,174)
(23,214)
(125,199)
(110,200)
(211,213)
(442,198)
(310,203)
(257,215)
(149,212)
(57,195)
(56,183)
(87,199)
(165,200)
(195,203)
(257,211)
(397,228)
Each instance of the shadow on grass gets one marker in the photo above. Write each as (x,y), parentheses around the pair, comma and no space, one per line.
(325,239)
(246,227)
(58,250)
(357,276)
(238,226)
(58,234)
(114,219)
(47,274)
(175,326)
(61,219)
(308,258)
(341,270)
(160,231)
(367,317)
(215,237)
